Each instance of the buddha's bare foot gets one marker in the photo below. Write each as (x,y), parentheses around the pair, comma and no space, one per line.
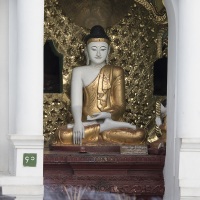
(110,124)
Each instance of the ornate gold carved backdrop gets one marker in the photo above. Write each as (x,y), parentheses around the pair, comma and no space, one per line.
(134,47)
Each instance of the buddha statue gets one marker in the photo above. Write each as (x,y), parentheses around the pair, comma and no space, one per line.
(160,90)
(161,120)
(98,99)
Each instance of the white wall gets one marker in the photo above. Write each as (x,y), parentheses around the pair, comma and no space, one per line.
(4,86)
(12,76)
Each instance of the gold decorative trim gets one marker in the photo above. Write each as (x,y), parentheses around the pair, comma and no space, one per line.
(98,40)
(160,38)
(160,19)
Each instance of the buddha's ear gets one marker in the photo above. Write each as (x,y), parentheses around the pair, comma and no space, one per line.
(87,55)
(107,58)
(108,49)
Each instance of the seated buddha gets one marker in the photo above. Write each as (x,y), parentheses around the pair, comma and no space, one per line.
(98,99)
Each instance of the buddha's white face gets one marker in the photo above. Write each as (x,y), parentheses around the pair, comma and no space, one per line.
(97,52)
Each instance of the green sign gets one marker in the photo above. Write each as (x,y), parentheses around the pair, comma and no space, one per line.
(29,159)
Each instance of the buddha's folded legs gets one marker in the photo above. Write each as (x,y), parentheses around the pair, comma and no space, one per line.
(124,136)
(63,135)
(110,124)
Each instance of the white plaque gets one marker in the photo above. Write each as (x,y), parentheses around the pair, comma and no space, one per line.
(134,150)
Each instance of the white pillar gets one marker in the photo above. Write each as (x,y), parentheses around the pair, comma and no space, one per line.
(182,175)
(29,115)
(29,71)
(4,66)
(188,80)
(26,64)
(188,98)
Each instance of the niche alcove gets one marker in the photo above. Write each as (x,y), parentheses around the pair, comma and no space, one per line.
(137,29)
(53,62)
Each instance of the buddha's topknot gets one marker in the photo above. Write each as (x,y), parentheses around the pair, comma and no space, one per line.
(97,32)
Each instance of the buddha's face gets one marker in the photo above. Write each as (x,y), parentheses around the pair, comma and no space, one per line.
(97,52)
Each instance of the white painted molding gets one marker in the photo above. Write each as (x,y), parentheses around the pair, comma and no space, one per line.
(191,145)
(23,188)
(19,180)
(190,183)
(190,192)
(189,198)
(27,141)
(189,173)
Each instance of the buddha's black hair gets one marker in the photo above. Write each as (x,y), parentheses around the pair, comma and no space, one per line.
(96,32)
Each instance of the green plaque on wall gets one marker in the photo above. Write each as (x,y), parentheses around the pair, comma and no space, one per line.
(29,159)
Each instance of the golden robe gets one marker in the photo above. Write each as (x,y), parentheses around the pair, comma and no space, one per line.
(104,94)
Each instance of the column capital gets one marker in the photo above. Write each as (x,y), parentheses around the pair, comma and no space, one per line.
(27,141)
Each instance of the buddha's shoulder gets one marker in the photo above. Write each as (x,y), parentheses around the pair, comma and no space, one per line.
(80,69)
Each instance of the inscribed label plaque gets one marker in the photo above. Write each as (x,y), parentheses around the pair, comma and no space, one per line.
(134,150)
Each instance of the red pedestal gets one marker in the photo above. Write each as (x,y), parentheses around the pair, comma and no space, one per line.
(98,169)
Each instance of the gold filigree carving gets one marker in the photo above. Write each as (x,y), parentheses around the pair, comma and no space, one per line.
(161,19)
(161,41)
(87,13)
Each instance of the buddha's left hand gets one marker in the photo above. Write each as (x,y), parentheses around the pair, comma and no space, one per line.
(158,121)
(100,115)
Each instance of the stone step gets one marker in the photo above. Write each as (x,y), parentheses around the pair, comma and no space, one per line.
(5,197)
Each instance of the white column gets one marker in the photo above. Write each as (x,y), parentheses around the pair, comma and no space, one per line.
(26,64)
(29,115)
(4,86)
(188,98)
(29,81)
(188,80)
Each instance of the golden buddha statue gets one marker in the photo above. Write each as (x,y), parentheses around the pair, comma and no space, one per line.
(98,99)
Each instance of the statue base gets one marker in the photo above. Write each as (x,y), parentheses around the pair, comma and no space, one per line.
(103,169)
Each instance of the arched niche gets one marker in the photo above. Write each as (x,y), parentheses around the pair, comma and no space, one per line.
(53,64)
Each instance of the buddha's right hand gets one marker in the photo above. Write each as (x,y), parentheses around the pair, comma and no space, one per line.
(78,133)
